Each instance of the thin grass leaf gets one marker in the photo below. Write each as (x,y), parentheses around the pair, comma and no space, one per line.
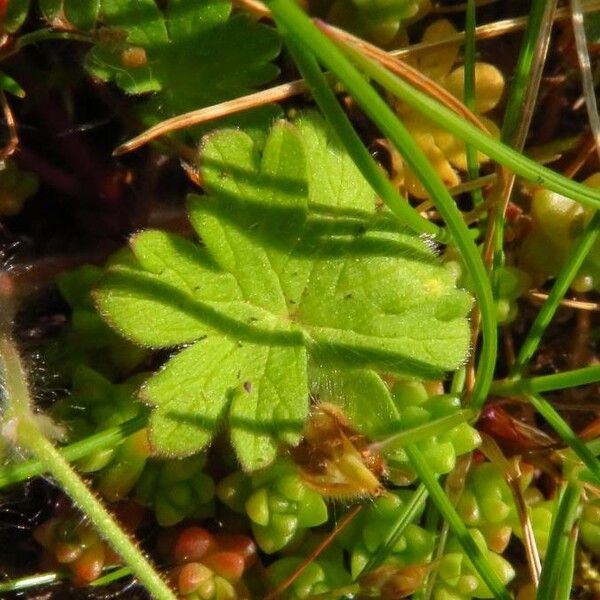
(522,101)
(469,91)
(563,281)
(413,435)
(566,434)
(30,581)
(111,576)
(567,572)
(587,239)
(109,438)
(587,77)
(297,26)
(468,133)
(441,500)
(528,73)
(548,383)
(563,519)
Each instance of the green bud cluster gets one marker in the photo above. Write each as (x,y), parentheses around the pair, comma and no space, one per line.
(176,489)
(70,542)
(278,502)
(88,339)
(510,284)
(457,578)
(321,576)
(368,531)
(96,404)
(557,223)
(210,566)
(417,408)
(487,504)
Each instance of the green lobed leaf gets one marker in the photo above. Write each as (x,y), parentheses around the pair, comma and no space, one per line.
(228,56)
(289,265)
(262,388)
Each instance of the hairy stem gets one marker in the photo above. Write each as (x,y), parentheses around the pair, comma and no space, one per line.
(24,430)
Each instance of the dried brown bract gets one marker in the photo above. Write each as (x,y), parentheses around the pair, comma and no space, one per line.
(337,460)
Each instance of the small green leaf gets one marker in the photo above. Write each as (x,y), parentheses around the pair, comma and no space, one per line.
(229,56)
(128,24)
(8,84)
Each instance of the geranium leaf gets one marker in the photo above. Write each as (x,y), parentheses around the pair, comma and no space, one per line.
(263,388)
(285,270)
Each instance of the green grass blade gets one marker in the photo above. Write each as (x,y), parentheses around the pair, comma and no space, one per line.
(295,24)
(567,274)
(519,111)
(567,435)
(468,133)
(522,99)
(547,383)
(447,510)
(567,571)
(399,440)
(469,91)
(30,581)
(563,518)
(111,576)
(372,172)
(109,438)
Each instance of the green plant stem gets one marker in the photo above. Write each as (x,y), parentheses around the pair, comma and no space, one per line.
(31,438)
(109,438)
(567,435)
(49,35)
(567,274)
(547,383)
(303,32)
(447,510)
(372,172)
(405,518)
(25,432)
(468,133)
(469,91)
(563,518)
